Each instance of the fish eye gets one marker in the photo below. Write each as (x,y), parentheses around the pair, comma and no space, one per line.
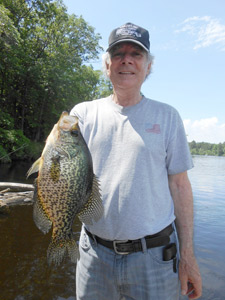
(74,133)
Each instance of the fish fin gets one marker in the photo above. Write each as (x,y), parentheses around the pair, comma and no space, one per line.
(40,217)
(34,168)
(57,251)
(93,209)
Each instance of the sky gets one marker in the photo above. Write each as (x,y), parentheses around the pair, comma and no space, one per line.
(188,44)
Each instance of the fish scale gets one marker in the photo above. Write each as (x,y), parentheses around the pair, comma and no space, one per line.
(65,187)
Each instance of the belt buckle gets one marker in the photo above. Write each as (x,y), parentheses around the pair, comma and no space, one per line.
(115,247)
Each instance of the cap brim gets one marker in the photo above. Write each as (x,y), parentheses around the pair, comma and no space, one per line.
(127,40)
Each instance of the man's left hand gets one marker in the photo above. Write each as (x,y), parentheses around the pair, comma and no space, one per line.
(190,278)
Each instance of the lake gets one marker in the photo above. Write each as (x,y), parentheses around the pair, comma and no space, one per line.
(208,183)
(25,275)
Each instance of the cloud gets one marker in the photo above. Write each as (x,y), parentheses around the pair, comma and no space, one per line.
(206,31)
(205,130)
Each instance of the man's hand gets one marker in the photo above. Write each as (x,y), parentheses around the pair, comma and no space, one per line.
(190,278)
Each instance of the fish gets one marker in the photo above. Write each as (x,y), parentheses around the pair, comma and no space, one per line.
(65,187)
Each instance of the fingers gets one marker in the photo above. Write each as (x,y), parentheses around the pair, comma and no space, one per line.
(190,280)
(195,290)
(191,290)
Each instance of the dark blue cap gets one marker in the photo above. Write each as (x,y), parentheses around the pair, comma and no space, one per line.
(130,33)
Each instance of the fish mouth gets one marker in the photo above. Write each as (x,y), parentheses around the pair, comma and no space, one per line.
(68,122)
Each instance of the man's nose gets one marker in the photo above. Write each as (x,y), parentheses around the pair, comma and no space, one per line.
(127,59)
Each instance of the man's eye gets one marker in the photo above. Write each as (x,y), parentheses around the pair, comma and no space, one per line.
(118,54)
(136,54)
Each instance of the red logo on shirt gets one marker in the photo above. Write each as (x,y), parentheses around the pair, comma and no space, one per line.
(153,128)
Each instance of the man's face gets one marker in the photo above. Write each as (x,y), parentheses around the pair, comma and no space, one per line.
(128,66)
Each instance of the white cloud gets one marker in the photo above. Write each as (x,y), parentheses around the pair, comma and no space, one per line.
(205,130)
(206,31)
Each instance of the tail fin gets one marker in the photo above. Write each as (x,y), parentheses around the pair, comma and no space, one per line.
(57,251)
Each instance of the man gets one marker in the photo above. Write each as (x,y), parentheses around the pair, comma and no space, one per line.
(141,157)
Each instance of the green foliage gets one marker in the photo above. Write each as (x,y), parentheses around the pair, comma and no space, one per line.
(4,157)
(207,149)
(45,72)
(104,87)
(6,121)
(15,144)
(8,32)
(44,54)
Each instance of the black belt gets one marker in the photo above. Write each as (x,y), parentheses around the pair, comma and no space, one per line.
(161,238)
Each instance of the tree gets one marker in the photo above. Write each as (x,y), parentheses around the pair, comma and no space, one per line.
(220,150)
(43,59)
(207,149)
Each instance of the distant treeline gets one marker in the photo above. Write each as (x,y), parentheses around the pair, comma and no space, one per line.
(207,149)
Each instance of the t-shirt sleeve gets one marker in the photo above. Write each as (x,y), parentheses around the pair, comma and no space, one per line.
(178,158)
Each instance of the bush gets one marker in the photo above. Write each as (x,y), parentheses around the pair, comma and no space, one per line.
(6,121)
(4,157)
(15,144)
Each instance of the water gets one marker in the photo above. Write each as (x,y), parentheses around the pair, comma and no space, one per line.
(24,272)
(25,275)
(208,183)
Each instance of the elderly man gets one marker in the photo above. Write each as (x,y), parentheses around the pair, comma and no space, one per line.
(142,245)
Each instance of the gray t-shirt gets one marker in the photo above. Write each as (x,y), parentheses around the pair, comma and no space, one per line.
(133,150)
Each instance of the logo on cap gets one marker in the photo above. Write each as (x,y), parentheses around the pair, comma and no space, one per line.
(128,29)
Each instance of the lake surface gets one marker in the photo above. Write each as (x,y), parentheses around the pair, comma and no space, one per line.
(208,183)
(25,275)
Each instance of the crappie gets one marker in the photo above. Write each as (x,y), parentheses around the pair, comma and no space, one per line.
(65,187)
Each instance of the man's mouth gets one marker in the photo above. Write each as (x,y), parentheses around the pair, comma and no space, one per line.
(126,73)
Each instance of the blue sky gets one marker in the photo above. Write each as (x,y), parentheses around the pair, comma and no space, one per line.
(188,42)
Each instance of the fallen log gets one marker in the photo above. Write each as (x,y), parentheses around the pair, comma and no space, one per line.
(15,194)
(16,187)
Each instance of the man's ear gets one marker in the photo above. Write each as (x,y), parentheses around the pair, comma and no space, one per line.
(149,68)
(107,68)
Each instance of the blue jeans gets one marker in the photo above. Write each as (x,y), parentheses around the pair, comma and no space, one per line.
(104,275)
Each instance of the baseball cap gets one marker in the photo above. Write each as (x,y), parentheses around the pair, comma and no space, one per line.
(130,33)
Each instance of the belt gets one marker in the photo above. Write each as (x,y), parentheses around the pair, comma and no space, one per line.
(161,238)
